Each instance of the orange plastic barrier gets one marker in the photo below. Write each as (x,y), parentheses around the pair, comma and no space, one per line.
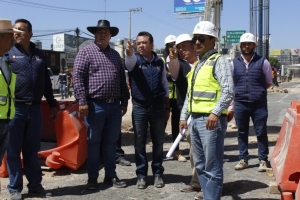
(71,138)
(48,124)
(3,167)
(285,159)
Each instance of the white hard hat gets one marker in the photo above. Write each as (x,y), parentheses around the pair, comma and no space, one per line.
(183,38)
(248,37)
(170,38)
(206,28)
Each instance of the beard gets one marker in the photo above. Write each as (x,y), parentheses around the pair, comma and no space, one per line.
(250,52)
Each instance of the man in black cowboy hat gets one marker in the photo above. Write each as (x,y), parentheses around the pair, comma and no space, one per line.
(100,86)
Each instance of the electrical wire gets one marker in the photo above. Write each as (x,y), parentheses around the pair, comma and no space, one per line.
(49,7)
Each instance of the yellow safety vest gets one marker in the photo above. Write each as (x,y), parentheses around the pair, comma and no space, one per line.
(172,89)
(204,90)
(7,92)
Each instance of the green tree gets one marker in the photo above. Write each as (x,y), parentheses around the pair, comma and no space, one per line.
(274,62)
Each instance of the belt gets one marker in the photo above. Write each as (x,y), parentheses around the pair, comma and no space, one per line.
(26,103)
(205,115)
(103,100)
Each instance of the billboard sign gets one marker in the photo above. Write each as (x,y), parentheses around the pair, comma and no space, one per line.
(275,52)
(189,6)
(295,52)
(67,43)
(234,36)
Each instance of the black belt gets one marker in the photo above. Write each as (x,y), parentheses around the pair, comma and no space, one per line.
(103,100)
(205,115)
(27,103)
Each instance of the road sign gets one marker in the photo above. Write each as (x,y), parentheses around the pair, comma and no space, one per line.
(234,36)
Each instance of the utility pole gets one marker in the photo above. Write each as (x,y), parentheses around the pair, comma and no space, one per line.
(217,20)
(132,10)
(77,31)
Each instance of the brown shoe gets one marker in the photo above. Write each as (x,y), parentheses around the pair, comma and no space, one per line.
(199,195)
(177,156)
(189,188)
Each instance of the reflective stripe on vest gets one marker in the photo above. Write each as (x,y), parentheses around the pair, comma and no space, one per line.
(7,91)
(206,91)
(172,89)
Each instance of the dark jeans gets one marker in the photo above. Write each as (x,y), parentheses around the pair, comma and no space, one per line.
(25,131)
(175,120)
(119,151)
(141,116)
(104,123)
(4,136)
(259,115)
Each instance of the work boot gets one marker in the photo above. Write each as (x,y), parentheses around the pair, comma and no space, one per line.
(177,156)
(123,162)
(241,165)
(189,188)
(158,182)
(199,195)
(262,166)
(15,196)
(40,192)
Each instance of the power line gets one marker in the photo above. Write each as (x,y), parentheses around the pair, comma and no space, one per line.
(51,33)
(49,7)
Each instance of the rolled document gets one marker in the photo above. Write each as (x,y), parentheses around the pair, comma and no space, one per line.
(176,142)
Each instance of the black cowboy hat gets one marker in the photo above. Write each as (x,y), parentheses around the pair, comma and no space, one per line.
(102,23)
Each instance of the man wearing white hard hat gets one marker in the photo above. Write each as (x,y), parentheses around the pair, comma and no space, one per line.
(8,81)
(169,45)
(210,91)
(181,61)
(252,76)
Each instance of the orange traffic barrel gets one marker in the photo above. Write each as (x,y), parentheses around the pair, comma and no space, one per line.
(285,160)
(71,140)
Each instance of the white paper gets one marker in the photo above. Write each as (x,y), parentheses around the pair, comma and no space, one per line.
(176,142)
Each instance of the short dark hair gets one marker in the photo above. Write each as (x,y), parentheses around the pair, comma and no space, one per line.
(145,33)
(28,24)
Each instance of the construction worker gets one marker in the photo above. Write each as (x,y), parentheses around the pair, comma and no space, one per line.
(210,91)
(252,76)
(170,43)
(7,81)
(183,58)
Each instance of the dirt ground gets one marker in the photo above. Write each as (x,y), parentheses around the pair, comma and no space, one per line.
(65,183)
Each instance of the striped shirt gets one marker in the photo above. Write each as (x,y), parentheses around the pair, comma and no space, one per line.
(223,75)
(99,73)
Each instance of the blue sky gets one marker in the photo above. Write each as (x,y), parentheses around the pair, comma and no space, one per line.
(157,18)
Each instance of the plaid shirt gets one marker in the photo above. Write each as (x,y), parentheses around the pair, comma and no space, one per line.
(99,73)
(223,75)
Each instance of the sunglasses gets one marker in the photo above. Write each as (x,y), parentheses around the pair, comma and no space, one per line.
(201,39)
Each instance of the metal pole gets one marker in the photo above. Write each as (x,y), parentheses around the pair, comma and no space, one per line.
(260,28)
(77,31)
(129,34)
(132,10)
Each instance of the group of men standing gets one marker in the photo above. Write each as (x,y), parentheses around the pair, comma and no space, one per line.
(208,89)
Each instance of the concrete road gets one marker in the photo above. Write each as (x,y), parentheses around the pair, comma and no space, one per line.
(247,184)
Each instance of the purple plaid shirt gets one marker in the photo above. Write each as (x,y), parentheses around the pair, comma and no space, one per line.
(99,73)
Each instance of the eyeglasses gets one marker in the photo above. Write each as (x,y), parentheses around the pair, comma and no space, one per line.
(201,39)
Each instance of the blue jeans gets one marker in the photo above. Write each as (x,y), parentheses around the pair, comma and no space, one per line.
(259,115)
(4,136)
(25,131)
(140,118)
(63,90)
(208,153)
(103,123)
